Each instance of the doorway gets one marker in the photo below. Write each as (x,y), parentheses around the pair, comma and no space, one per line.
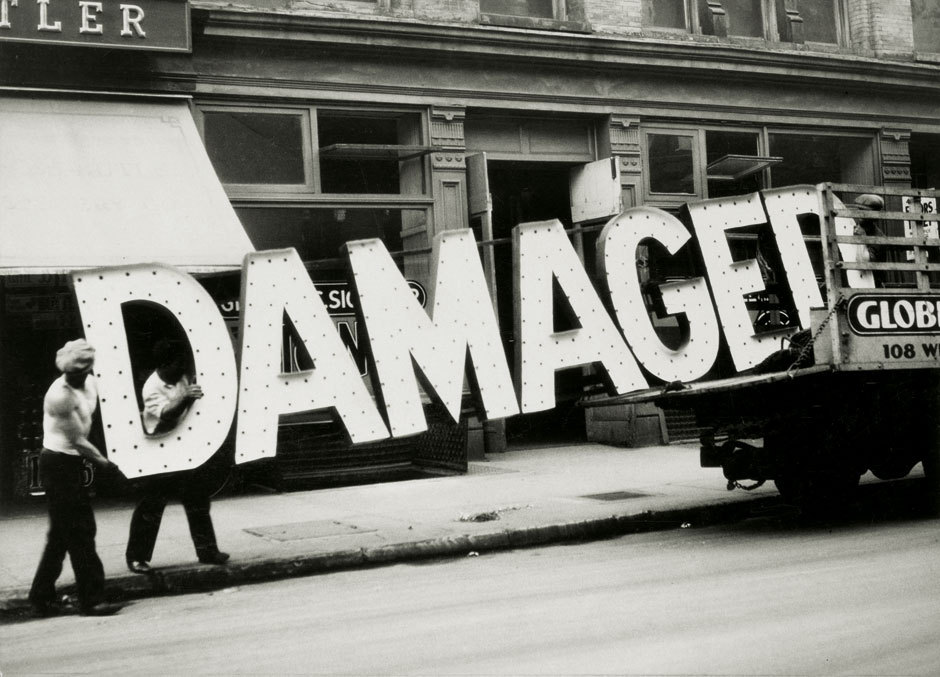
(523,192)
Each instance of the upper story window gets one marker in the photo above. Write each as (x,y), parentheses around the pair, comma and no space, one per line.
(539,9)
(925,15)
(568,15)
(308,150)
(795,21)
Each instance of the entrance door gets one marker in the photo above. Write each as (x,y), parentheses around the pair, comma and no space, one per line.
(520,192)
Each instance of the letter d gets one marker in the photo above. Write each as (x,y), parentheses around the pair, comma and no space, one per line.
(101,293)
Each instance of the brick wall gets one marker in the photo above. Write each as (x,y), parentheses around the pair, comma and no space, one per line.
(614,16)
(880,26)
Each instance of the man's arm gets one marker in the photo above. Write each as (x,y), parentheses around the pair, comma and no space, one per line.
(63,410)
(168,408)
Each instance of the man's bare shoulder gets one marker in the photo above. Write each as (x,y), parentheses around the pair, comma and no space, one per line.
(58,399)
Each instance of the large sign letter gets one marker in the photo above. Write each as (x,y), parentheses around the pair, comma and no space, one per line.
(541,252)
(274,283)
(400,331)
(616,253)
(731,280)
(783,205)
(100,294)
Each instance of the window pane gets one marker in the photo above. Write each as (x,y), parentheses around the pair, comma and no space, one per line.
(817,159)
(721,143)
(318,233)
(670,162)
(744,17)
(541,9)
(370,170)
(819,20)
(259,148)
(926,17)
(664,13)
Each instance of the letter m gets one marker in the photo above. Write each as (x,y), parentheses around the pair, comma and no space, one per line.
(402,337)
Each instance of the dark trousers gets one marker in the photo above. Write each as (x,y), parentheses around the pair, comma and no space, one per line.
(155,494)
(72,530)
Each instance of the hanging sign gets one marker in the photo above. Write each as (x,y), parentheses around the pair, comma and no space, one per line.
(158,25)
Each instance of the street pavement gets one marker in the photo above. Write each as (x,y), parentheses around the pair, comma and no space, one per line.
(520,498)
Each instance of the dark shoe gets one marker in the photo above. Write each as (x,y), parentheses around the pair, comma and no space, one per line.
(216,557)
(44,609)
(101,609)
(139,567)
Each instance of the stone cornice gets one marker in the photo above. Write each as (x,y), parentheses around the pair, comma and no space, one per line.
(569,50)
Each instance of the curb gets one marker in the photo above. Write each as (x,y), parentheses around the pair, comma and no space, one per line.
(197,578)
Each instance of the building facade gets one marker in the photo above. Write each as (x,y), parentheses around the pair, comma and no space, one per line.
(327,121)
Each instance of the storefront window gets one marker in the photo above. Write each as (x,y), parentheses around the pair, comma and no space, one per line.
(925,15)
(817,158)
(671,163)
(256,148)
(539,9)
(308,150)
(664,13)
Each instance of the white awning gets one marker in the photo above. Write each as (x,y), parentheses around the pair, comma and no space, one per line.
(87,183)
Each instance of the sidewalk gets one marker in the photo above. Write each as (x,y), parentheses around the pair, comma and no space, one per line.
(516,499)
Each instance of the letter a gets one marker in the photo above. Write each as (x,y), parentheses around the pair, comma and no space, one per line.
(274,283)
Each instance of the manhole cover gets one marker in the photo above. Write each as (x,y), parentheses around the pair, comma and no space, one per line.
(615,496)
(298,531)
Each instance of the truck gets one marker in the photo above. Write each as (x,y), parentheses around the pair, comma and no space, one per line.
(856,389)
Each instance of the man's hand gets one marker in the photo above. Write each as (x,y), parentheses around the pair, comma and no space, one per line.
(193,391)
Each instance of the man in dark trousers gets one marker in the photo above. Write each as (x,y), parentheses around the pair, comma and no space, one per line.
(168,394)
(67,412)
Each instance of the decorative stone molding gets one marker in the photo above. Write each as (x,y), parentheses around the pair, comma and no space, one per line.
(625,143)
(447,133)
(714,19)
(895,155)
(792,30)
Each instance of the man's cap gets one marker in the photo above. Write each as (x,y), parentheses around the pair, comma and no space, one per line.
(75,355)
(870,201)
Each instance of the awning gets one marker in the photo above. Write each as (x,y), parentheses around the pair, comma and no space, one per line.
(87,183)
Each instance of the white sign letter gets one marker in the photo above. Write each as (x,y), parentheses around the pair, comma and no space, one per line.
(616,256)
(541,252)
(783,205)
(132,15)
(89,20)
(44,24)
(731,280)
(275,282)
(400,331)
(100,294)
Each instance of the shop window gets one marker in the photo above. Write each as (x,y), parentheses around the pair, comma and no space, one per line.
(925,15)
(256,148)
(370,153)
(665,13)
(671,163)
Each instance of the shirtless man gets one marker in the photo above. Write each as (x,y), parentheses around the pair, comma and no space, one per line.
(68,408)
